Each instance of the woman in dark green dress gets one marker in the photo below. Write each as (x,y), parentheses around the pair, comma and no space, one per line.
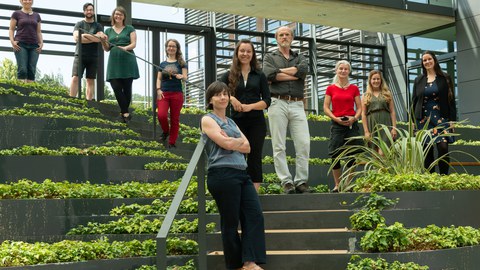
(378,107)
(122,66)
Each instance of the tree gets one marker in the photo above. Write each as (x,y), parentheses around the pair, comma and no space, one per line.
(8,70)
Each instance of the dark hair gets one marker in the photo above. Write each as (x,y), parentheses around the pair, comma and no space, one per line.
(213,89)
(119,9)
(439,72)
(86,5)
(178,54)
(236,69)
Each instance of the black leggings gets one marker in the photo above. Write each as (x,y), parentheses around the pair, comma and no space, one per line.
(443,165)
(123,92)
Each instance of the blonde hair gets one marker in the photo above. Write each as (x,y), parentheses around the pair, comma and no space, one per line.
(384,90)
(337,65)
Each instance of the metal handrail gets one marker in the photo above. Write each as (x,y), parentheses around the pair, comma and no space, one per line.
(196,162)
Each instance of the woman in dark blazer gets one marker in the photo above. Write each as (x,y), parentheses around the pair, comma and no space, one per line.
(434,104)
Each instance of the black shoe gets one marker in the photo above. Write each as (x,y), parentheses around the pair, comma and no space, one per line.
(171,145)
(289,188)
(303,188)
(127,118)
(164,137)
(334,190)
(121,119)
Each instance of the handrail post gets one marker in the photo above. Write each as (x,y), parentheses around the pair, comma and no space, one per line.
(202,217)
(161,239)
(161,253)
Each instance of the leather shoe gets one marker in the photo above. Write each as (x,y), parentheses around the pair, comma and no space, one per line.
(289,188)
(303,188)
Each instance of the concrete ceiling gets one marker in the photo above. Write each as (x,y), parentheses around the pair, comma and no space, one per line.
(337,13)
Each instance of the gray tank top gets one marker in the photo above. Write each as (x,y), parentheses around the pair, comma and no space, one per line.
(219,157)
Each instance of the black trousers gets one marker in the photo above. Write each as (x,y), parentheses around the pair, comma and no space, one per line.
(237,201)
(255,129)
(443,165)
(123,92)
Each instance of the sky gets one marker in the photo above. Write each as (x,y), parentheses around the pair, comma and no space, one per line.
(63,65)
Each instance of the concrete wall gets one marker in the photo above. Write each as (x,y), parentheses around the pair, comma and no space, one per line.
(468,59)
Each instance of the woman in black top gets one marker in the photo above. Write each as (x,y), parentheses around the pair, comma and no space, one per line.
(434,103)
(250,96)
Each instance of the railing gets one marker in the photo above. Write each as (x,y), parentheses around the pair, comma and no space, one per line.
(197,162)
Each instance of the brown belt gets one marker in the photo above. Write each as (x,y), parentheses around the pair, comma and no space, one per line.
(287,97)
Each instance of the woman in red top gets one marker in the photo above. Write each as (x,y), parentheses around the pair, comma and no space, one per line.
(342,104)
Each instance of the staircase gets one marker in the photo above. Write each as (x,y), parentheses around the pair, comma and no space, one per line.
(307,231)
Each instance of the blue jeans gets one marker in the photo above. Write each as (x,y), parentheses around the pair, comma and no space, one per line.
(283,115)
(27,59)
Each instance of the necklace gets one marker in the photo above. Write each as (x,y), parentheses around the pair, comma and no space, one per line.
(343,86)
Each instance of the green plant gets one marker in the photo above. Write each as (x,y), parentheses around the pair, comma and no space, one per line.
(58,107)
(368,217)
(405,154)
(397,238)
(318,117)
(193,110)
(166,166)
(291,160)
(135,143)
(126,131)
(383,182)
(27,189)
(138,224)
(160,207)
(10,91)
(357,263)
(58,115)
(22,254)
(464,142)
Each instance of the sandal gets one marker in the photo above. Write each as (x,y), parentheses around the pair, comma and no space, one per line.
(252,267)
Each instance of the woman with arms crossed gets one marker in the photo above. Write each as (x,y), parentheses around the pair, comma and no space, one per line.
(250,96)
(230,184)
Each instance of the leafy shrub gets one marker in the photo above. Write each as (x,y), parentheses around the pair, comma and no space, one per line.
(160,207)
(369,216)
(357,263)
(138,225)
(26,150)
(384,182)
(366,219)
(21,253)
(10,91)
(27,189)
(57,107)
(397,238)
(58,115)
(291,160)
(166,166)
(126,132)
(318,117)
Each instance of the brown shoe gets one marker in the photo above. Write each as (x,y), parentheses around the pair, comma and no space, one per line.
(303,188)
(289,188)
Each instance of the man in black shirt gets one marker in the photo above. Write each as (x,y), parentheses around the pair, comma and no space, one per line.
(91,34)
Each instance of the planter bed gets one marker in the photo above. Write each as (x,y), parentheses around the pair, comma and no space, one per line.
(96,169)
(55,139)
(114,264)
